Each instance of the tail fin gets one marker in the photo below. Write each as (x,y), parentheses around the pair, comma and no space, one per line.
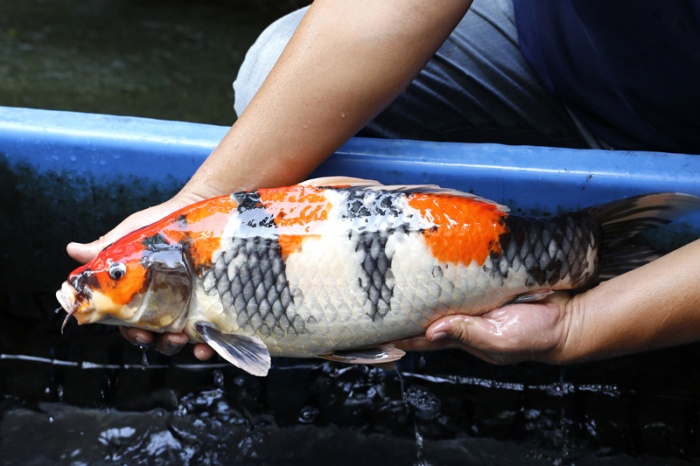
(621,220)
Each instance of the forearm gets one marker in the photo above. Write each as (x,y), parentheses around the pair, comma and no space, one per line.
(345,63)
(654,306)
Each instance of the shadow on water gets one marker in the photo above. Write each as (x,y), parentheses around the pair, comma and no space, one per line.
(86,396)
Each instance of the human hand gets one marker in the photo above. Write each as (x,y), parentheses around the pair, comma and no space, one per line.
(507,335)
(168,343)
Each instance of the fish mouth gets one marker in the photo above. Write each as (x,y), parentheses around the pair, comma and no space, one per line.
(71,300)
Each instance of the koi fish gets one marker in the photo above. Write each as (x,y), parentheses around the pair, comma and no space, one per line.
(337,267)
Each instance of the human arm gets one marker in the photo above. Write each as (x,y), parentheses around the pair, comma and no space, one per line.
(345,63)
(652,307)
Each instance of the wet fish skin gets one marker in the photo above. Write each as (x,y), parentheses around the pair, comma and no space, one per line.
(332,266)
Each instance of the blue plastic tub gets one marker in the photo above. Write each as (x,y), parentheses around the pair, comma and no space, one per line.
(86,397)
(102,147)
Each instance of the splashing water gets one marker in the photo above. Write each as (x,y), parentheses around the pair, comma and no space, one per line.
(409,403)
(144,356)
(190,415)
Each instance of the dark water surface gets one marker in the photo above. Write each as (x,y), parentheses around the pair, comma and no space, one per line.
(87,397)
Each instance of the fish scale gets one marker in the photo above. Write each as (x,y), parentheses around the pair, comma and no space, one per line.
(244,281)
(377,278)
(337,270)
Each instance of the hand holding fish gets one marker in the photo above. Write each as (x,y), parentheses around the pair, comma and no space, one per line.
(652,307)
(167,343)
(336,268)
(507,335)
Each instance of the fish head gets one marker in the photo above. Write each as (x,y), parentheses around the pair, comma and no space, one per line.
(133,282)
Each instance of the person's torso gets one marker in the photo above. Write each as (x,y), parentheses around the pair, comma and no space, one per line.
(628,69)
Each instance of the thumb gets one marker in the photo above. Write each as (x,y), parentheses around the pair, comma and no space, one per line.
(461,329)
(84,253)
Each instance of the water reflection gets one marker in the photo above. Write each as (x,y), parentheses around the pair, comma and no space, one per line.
(321,413)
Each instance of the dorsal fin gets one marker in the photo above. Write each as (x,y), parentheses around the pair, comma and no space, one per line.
(334,181)
(349,182)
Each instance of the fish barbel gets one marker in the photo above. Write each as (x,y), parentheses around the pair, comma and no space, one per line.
(336,268)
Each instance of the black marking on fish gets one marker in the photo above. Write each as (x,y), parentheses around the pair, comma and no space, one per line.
(247,200)
(377,279)
(84,282)
(371,203)
(380,216)
(251,212)
(249,277)
(550,249)
(155,242)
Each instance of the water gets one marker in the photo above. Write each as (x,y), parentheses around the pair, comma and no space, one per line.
(323,413)
(172,59)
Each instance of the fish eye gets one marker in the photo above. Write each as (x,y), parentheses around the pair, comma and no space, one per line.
(116,270)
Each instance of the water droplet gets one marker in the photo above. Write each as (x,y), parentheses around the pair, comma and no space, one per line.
(144,357)
(425,403)
(218,379)
(308,414)
(51,419)
(59,392)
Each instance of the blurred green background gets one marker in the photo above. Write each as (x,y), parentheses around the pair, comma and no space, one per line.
(167,59)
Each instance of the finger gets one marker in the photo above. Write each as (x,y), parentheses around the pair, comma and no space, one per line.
(421,343)
(84,253)
(452,328)
(203,351)
(413,344)
(171,343)
(87,251)
(136,336)
(477,335)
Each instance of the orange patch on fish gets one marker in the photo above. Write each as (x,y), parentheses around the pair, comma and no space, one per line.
(289,244)
(466,230)
(295,210)
(123,291)
(201,224)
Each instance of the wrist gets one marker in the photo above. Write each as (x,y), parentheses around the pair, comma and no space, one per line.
(563,345)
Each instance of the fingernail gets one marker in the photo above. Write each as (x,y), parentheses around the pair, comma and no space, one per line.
(443,328)
(439,336)
(141,340)
(170,350)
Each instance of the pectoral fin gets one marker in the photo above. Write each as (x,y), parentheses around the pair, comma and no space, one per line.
(246,352)
(379,356)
